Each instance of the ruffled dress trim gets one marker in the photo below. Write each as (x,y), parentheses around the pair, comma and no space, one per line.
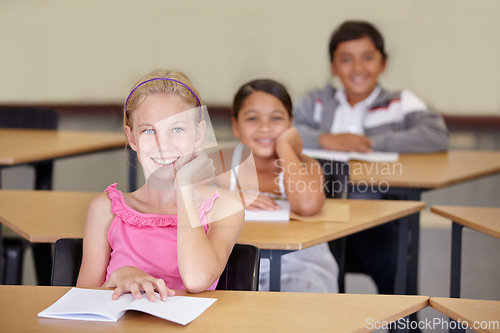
(135,218)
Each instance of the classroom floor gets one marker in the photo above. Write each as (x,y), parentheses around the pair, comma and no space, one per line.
(480,270)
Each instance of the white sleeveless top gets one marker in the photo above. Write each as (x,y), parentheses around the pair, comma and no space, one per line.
(235,167)
(313,269)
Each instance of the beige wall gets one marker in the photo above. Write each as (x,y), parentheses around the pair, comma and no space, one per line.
(446,51)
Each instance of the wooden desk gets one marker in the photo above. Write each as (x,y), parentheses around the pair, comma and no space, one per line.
(479,315)
(42,224)
(23,146)
(45,216)
(234,311)
(415,173)
(33,146)
(297,235)
(40,148)
(428,171)
(278,239)
(482,219)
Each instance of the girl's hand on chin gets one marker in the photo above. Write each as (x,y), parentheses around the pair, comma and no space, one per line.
(292,138)
(197,169)
(129,279)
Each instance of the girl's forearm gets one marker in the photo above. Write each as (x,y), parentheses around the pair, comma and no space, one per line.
(197,259)
(303,182)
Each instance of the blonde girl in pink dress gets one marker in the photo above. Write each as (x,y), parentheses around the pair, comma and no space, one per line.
(171,233)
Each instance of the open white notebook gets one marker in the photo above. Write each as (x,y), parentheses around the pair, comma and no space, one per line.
(345,156)
(97,305)
(333,212)
(280,215)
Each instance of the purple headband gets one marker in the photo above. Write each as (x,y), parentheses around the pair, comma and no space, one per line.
(163,79)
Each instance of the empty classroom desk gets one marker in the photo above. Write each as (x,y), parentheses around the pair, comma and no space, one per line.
(414,174)
(475,314)
(482,219)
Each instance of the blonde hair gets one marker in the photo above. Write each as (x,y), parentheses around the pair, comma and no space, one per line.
(161,82)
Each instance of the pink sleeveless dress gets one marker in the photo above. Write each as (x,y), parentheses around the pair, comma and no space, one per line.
(147,241)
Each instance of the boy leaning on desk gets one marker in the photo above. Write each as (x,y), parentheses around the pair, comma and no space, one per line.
(362,116)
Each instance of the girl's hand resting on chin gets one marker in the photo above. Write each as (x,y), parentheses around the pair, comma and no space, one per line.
(196,168)
(290,137)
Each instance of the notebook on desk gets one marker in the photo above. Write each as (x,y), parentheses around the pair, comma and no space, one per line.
(331,212)
(279,215)
(345,156)
(97,305)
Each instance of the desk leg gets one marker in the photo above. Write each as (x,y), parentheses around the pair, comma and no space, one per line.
(414,229)
(43,175)
(341,263)
(274,270)
(274,257)
(456,259)
(42,253)
(414,254)
(456,267)
(401,265)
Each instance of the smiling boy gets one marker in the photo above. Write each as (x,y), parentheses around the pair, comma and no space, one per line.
(361,116)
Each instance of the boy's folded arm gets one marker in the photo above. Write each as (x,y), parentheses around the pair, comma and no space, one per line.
(309,135)
(424,132)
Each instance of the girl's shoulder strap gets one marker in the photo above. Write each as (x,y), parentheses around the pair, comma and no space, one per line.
(117,200)
(281,184)
(114,194)
(131,216)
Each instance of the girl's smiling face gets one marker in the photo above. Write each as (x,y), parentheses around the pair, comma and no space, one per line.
(358,64)
(164,130)
(261,119)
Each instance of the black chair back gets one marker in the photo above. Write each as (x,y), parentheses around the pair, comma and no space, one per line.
(28,117)
(241,272)
(242,269)
(66,261)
